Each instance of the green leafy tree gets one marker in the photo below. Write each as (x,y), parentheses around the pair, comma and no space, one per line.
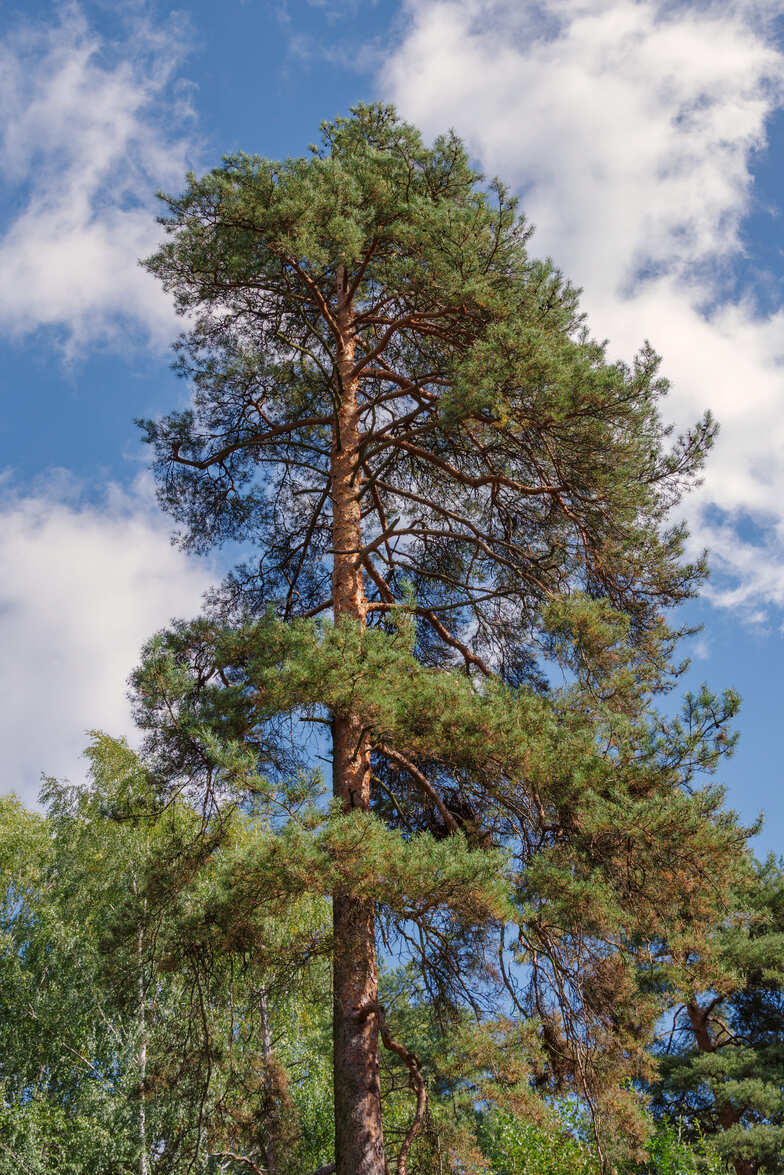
(66,1067)
(671,1154)
(401,414)
(722,1065)
(131,1044)
(215,1028)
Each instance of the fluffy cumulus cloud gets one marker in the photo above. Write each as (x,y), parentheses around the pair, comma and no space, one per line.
(89,130)
(91,583)
(631,129)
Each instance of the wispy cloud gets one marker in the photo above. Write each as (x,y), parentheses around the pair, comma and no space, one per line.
(91,583)
(631,128)
(90,130)
(333,33)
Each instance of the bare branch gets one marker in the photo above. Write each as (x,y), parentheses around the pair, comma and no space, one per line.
(415,1079)
(257,442)
(424,784)
(319,298)
(498,479)
(236,1158)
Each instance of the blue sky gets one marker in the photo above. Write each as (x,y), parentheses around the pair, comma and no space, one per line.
(646,140)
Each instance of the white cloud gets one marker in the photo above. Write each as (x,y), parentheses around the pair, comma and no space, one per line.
(631,129)
(90,584)
(89,131)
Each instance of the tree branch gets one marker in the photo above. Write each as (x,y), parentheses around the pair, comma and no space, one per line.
(319,298)
(235,1158)
(423,782)
(498,479)
(257,442)
(416,1081)
(449,638)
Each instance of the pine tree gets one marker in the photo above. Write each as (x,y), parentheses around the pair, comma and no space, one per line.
(403,417)
(722,1065)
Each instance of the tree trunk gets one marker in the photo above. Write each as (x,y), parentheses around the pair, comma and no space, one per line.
(144,1163)
(270,1150)
(728,1115)
(359,1140)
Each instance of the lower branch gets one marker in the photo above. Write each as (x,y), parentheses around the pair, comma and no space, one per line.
(424,784)
(415,1079)
(233,1157)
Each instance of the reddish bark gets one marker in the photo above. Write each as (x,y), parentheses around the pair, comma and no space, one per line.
(728,1115)
(416,1082)
(359,1139)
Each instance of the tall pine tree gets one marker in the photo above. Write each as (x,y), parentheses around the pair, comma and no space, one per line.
(401,414)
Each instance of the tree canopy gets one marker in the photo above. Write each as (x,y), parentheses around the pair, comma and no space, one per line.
(402,418)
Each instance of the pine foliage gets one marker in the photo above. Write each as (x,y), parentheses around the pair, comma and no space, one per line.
(403,418)
(722,1070)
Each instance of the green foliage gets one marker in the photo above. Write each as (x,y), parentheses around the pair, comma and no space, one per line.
(722,1068)
(670,1154)
(40,1137)
(516,1147)
(80,1117)
(404,416)
(592,907)
(66,1098)
(91,971)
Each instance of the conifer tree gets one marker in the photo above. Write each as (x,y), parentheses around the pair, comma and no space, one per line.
(722,1065)
(403,418)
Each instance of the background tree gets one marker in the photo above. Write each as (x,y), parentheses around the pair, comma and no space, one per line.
(67,1073)
(130,1044)
(70,1093)
(402,415)
(218,1028)
(722,1065)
